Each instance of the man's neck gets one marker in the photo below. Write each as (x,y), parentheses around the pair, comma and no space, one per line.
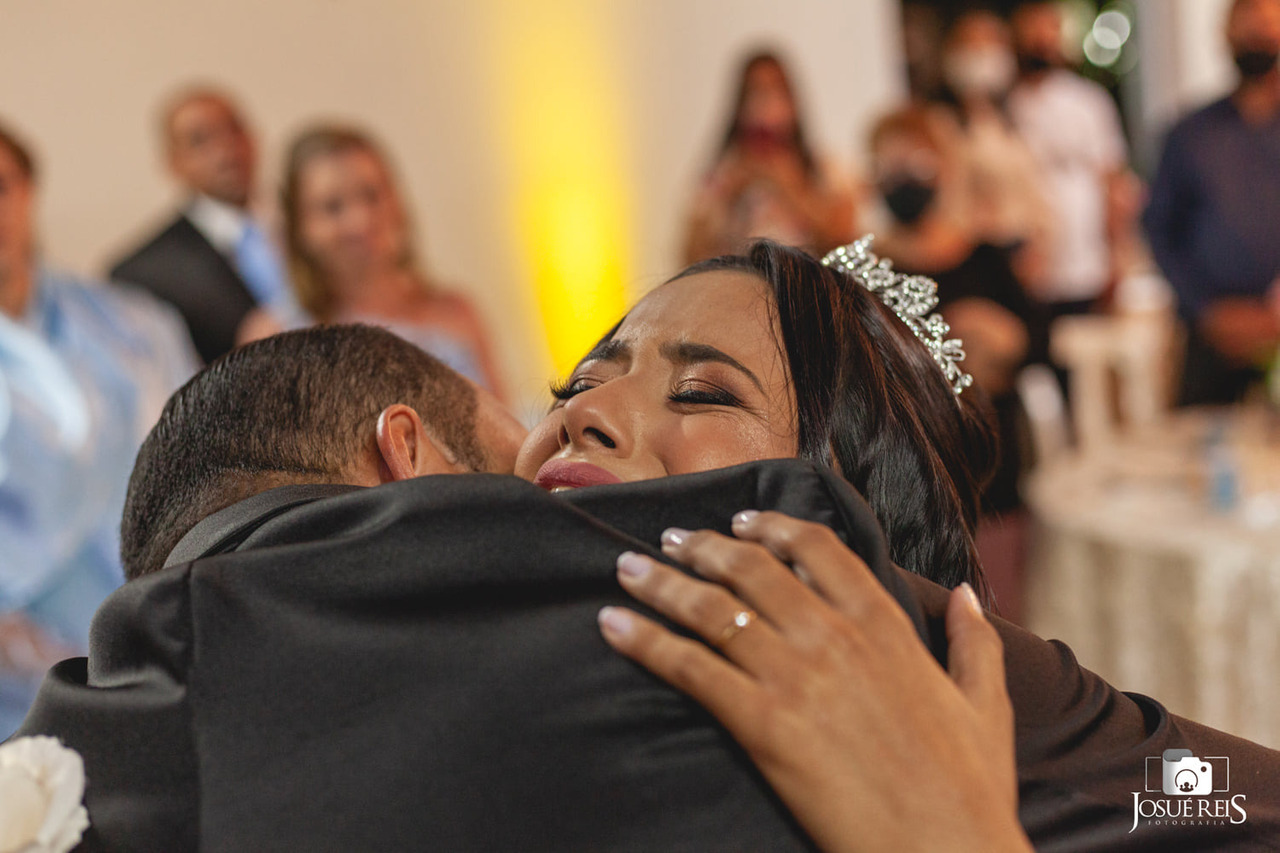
(245,209)
(16,287)
(221,223)
(385,292)
(1258,100)
(1034,79)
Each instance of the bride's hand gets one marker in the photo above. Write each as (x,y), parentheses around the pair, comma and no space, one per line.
(829,689)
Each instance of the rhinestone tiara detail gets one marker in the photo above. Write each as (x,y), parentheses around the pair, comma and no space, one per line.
(912,298)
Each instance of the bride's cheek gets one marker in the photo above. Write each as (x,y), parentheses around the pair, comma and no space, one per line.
(539,446)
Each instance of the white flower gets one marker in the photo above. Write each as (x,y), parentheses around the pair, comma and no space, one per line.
(41,788)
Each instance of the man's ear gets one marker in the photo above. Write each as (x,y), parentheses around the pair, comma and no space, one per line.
(407,449)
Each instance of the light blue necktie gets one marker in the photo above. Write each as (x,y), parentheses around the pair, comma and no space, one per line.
(259,266)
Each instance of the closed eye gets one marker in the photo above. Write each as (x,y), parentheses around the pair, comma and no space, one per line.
(707,396)
(566,389)
(606,352)
(571,387)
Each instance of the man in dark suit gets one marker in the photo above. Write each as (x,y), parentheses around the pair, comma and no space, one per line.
(213,262)
(374,671)
(302,663)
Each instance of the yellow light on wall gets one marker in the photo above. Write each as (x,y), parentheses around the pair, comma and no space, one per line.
(558,99)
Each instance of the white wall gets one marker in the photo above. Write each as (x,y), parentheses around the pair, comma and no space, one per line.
(83,80)
(1185,62)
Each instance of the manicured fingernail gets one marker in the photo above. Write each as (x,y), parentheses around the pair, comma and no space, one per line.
(674,536)
(745,516)
(632,564)
(971,598)
(614,620)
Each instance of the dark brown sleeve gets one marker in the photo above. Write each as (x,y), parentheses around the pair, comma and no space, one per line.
(1084,748)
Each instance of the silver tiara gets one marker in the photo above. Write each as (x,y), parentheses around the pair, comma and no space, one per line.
(912,298)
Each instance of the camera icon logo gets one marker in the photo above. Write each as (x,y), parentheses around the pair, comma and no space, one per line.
(1185,774)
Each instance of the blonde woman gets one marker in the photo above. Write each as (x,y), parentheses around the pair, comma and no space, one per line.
(351,255)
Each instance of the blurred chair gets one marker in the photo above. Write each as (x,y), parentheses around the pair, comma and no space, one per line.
(1119,370)
(1046,411)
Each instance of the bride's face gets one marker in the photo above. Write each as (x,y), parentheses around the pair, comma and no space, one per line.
(693,380)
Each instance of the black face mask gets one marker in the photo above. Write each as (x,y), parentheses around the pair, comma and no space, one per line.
(1033,63)
(907,198)
(1255,63)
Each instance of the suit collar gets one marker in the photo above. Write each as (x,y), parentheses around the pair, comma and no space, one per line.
(225,529)
(220,223)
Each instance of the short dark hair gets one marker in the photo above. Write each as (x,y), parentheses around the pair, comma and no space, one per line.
(20,152)
(1021,7)
(190,93)
(874,405)
(297,407)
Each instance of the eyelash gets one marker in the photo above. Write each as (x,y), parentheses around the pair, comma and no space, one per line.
(706,397)
(570,388)
(566,389)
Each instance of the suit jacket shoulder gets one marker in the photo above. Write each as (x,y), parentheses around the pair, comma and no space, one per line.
(181,267)
(373,668)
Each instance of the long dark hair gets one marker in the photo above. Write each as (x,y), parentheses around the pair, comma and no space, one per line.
(732,129)
(873,405)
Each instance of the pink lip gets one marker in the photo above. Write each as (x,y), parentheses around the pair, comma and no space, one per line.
(556,473)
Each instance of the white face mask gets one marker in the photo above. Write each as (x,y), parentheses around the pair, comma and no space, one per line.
(981,71)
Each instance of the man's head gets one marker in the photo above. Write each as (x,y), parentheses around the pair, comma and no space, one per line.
(17,193)
(1037,35)
(1253,34)
(208,146)
(337,404)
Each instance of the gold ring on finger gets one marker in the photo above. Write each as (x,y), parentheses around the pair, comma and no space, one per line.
(741,619)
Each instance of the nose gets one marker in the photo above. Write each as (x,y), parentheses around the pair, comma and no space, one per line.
(597,420)
(357,216)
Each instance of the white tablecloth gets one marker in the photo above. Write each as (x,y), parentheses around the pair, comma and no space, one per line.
(1153,588)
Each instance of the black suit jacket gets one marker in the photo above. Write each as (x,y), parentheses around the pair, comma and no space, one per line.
(417,666)
(183,268)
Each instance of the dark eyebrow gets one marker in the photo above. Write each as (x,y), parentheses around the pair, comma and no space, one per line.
(684,352)
(610,350)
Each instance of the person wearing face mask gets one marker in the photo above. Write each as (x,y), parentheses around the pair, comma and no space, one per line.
(766,180)
(1211,220)
(1005,203)
(922,181)
(932,231)
(1072,128)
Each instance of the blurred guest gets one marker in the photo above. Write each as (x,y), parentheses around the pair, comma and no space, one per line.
(918,170)
(1005,203)
(84,371)
(1212,219)
(214,261)
(922,32)
(352,257)
(766,180)
(929,232)
(1073,130)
